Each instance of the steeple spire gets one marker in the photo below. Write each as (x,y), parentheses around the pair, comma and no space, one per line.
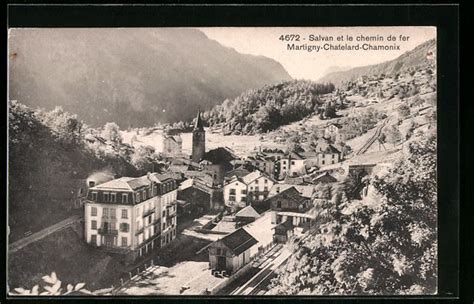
(199,124)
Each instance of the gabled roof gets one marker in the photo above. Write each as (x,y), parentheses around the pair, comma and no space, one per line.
(323,147)
(247,179)
(305,190)
(239,172)
(324,175)
(248,211)
(291,193)
(238,241)
(294,155)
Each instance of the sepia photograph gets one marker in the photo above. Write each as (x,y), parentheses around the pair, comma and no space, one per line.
(222,161)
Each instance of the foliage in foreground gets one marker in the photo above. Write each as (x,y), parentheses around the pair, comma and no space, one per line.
(388,247)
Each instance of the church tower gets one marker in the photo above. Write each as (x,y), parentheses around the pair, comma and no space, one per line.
(199,140)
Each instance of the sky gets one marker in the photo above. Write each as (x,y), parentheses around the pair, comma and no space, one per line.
(313,65)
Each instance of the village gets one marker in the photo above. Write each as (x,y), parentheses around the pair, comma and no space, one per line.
(219,204)
(237,213)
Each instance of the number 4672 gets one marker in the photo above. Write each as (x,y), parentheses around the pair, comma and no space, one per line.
(290,37)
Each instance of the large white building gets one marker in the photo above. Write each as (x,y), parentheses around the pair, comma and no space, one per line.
(249,188)
(134,214)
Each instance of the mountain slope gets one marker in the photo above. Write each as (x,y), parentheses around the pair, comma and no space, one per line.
(131,76)
(413,58)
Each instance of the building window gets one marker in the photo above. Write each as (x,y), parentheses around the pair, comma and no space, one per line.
(284,168)
(105,211)
(106,197)
(164,213)
(124,197)
(138,197)
(124,213)
(243,191)
(94,239)
(144,195)
(232,191)
(113,226)
(112,212)
(94,196)
(93,211)
(278,204)
(93,224)
(232,198)
(292,162)
(265,188)
(323,162)
(277,189)
(256,189)
(124,227)
(265,181)
(149,219)
(124,242)
(113,197)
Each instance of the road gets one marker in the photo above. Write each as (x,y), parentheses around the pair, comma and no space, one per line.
(15,246)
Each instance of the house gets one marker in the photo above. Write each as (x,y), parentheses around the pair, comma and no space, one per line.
(232,252)
(249,188)
(246,215)
(306,191)
(327,154)
(291,164)
(172,145)
(292,206)
(324,178)
(332,132)
(197,196)
(132,215)
(283,232)
(217,162)
(262,162)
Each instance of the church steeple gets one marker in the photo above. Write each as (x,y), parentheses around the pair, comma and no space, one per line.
(199,124)
(199,139)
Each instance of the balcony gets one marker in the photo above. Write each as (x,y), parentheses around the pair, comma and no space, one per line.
(148,212)
(139,230)
(106,231)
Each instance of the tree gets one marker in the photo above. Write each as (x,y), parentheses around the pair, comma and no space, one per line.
(65,126)
(111,133)
(52,287)
(387,247)
(403,111)
(393,135)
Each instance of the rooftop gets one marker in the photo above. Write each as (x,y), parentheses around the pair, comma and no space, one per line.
(239,241)
(248,211)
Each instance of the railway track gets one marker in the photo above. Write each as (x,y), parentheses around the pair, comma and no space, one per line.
(374,137)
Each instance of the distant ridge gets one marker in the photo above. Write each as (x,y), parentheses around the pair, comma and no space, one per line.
(134,77)
(413,58)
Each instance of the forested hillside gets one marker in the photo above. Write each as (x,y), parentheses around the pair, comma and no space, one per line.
(269,107)
(134,77)
(49,159)
(418,57)
(386,246)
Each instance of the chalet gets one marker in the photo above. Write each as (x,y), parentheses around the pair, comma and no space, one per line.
(217,162)
(232,252)
(292,206)
(332,132)
(249,188)
(283,232)
(291,164)
(327,154)
(262,162)
(132,215)
(306,191)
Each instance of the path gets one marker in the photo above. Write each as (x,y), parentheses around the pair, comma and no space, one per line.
(43,233)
